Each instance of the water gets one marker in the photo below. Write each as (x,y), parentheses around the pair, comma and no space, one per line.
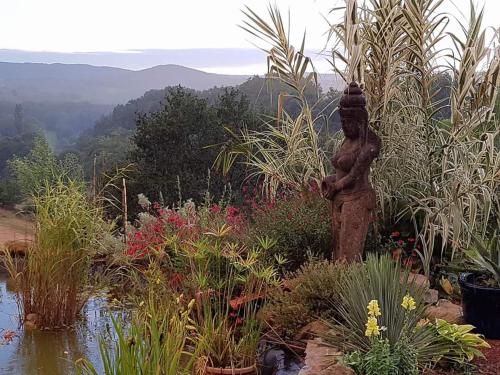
(49,353)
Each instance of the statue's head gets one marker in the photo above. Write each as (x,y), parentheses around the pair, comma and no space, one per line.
(353,113)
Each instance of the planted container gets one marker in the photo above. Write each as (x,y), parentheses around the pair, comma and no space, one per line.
(481,305)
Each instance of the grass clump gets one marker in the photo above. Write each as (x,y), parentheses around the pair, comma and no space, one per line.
(156,345)
(53,280)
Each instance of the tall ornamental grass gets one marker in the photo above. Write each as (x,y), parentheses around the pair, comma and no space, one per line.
(53,280)
(440,161)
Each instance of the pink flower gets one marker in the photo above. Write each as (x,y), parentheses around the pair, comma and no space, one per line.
(395,234)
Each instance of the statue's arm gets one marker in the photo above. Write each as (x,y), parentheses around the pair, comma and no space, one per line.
(362,163)
(327,187)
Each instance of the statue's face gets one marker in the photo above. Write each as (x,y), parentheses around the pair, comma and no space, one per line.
(351,127)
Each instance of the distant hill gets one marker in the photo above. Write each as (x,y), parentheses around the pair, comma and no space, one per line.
(37,82)
(34,82)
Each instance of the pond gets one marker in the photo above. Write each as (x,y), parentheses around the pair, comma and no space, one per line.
(49,352)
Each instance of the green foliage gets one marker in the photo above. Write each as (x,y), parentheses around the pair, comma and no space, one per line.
(184,131)
(486,256)
(299,223)
(308,296)
(382,359)
(463,345)
(9,193)
(154,346)
(41,167)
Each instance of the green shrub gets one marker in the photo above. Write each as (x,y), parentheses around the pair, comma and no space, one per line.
(301,225)
(309,295)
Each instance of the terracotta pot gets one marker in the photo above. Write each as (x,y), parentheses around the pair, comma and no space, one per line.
(230,371)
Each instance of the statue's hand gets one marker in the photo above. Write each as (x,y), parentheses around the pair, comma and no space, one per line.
(328,187)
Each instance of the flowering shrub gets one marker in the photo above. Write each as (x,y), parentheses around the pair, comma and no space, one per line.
(382,323)
(157,225)
(300,223)
(382,358)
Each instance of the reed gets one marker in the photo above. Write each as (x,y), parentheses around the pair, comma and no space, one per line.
(156,345)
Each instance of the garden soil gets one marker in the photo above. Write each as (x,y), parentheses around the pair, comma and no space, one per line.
(13,227)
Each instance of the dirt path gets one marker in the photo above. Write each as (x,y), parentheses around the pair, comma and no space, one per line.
(14,227)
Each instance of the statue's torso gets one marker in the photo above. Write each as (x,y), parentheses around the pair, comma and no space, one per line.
(343,161)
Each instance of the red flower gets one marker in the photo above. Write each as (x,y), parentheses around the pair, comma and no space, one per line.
(411,240)
(215,209)
(395,234)
(231,211)
(401,243)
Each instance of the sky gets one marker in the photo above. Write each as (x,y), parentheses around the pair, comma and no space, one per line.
(130,26)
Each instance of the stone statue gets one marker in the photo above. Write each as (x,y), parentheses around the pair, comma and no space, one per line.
(349,189)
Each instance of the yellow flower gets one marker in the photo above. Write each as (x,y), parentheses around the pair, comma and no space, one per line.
(409,303)
(372,328)
(373,308)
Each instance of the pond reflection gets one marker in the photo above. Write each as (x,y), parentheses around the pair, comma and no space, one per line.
(49,352)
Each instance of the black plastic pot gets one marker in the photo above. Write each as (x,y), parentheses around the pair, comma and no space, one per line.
(481,306)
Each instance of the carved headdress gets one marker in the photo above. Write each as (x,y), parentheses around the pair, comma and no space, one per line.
(353,103)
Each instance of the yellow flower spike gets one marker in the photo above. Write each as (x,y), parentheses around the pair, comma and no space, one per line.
(372,328)
(409,303)
(191,304)
(373,308)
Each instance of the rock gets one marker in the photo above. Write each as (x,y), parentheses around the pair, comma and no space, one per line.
(319,356)
(336,369)
(419,280)
(31,321)
(312,330)
(30,325)
(445,310)
(431,296)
